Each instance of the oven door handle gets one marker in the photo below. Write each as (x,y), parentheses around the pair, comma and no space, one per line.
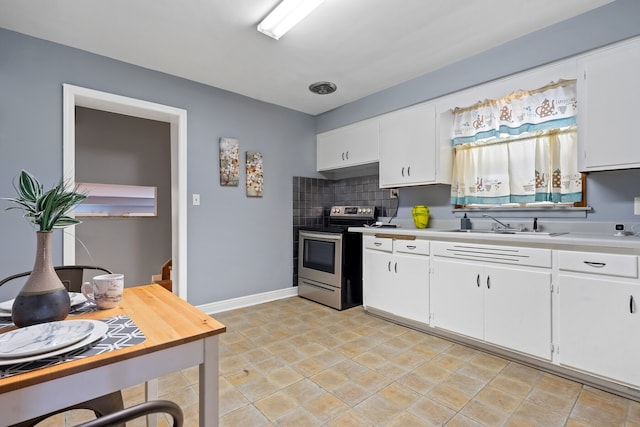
(320,236)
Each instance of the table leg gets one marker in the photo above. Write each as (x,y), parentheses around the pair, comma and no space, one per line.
(151,393)
(208,384)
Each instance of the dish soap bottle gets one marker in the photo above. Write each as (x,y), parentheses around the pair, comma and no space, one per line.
(465,223)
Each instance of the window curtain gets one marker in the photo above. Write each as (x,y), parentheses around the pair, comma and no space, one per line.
(518,149)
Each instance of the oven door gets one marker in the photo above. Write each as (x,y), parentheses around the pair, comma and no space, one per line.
(320,257)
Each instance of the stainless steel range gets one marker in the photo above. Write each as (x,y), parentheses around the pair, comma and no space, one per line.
(330,258)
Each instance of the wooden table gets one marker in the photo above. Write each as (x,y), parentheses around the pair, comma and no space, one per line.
(178,336)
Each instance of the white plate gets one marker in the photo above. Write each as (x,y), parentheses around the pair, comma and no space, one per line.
(99,330)
(76,299)
(43,337)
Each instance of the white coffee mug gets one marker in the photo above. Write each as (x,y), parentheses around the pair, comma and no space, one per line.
(105,290)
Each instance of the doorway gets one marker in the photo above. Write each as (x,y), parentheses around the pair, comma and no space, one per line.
(74,96)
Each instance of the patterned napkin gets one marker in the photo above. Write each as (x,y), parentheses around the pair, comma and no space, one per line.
(122,332)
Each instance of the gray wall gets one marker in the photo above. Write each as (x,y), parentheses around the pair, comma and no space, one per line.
(609,193)
(237,246)
(118,149)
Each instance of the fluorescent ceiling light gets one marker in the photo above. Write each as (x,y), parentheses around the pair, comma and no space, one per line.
(285,16)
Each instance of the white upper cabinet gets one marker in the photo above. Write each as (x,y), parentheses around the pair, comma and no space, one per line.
(608,102)
(352,145)
(408,146)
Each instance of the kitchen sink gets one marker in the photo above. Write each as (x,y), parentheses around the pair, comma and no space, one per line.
(515,232)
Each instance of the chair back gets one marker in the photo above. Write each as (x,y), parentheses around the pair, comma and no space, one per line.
(137,411)
(70,275)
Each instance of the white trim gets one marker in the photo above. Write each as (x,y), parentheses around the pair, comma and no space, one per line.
(177,118)
(249,300)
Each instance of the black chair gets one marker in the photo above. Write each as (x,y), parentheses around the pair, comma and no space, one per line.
(140,410)
(71,277)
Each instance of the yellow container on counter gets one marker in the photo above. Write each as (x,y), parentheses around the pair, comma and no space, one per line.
(420,215)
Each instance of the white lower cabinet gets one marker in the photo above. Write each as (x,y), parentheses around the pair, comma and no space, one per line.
(396,277)
(506,305)
(598,315)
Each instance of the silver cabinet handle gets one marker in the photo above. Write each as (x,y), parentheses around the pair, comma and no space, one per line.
(377,243)
(412,247)
(488,282)
(402,171)
(389,266)
(478,280)
(342,155)
(632,305)
(395,267)
(595,264)
(347,155)
(409,171)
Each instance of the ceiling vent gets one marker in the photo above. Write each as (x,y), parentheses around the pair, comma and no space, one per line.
(323,88)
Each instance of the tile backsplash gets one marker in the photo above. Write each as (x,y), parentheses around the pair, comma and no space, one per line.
(313,196)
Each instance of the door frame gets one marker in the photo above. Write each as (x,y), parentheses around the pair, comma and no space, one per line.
(75,96)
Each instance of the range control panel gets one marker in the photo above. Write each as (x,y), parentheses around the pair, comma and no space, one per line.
(360,212)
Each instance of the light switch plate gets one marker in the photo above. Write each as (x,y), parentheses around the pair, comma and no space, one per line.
(196,199)
(636,205)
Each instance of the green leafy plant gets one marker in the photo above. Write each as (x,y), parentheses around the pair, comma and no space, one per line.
(49,209)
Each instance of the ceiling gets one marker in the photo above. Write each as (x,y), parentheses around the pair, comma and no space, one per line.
(363,46)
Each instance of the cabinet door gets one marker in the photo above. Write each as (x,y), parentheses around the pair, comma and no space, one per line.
(352,145)
(408,147)
(411,287)
(457,297)
(607,108)
(517,309)
(378,280)
(599,324)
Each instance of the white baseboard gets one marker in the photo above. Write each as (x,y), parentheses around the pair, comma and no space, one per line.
(232,304)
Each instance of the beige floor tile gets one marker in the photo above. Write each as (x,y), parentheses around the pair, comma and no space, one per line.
(417,382)
(460,420)
(449,396)
(553,402)
(350,418)
(399,395)
(512,386)
(498,399)
(283,377)
(248,415)
(325,407)
(634,411)
(486,415)
(595,405)
(431,412)
(299,417)
(530,414)
(406,419)
(352,393)
(378,410)
(276,405)
(370,359)
(329,379)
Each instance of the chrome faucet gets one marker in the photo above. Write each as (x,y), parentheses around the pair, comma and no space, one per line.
(505,227)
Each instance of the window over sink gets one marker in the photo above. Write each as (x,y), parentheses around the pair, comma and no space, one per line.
(519,151)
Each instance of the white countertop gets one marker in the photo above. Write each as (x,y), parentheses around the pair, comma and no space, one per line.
(606,242)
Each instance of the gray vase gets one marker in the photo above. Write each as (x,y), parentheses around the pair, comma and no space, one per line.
(43,298)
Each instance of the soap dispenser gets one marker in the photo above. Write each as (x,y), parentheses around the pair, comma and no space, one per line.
(465,223)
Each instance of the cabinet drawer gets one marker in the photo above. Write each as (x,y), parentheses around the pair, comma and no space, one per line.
(418,247)
(491,253)
(378,243)
(599,263)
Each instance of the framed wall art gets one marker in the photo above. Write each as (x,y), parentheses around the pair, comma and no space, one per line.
(255,175)
(229,162)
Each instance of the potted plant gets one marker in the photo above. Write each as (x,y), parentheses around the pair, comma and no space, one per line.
(43,298)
